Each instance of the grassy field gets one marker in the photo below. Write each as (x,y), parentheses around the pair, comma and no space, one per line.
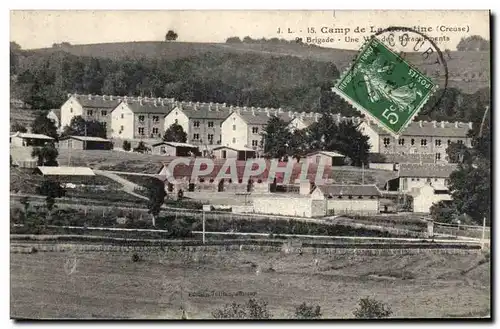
(469,78)
(110,285)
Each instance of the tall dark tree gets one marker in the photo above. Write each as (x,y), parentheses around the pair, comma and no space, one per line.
(43,125)
(156,194)
(171,35)
(17,127)
(277,138)
(46,155)
(175,133)
(51,190)
(473,43)
(81,127)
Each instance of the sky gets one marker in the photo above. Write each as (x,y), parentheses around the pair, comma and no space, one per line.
(42,28)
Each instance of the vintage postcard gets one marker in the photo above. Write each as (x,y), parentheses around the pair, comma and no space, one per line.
(259,165)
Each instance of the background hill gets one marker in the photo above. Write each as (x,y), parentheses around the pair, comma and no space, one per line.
(464,66)
(265,74)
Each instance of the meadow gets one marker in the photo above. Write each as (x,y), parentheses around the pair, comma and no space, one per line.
(101,285)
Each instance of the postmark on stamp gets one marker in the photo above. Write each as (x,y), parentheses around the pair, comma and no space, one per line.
(385,87)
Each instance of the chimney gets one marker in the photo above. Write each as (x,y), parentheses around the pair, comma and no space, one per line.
(253,112)
(111,97)
(154,102)
(69,95)
(223,104)
(434,123)
(470,125)
(316,117)
(456,124)
(442,124)
(140,101)
(162,102)
(290,114)
(90,96)
(268,114)
(420,124)
(279,111)
(125,98)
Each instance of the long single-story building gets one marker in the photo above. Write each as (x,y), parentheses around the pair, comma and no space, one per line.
(228,152)
(174,149)
(85,143)
(65,171)
(326,158)
(414,176)
(28,139)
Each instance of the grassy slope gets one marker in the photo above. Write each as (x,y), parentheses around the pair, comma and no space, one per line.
(468,71)
(107,285)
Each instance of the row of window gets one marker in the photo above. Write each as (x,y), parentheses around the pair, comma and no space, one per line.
(196,124)
(351,197)
(255,130)
(91,112)
(423,142)
(141,130)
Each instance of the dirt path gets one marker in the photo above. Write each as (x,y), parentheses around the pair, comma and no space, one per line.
(127,186)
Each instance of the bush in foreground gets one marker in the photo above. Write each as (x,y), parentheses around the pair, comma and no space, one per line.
(304,311)
(251,310)
(372,309)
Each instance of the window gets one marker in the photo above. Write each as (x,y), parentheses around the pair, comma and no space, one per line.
(438,156)
(387,141)
(210,137)
(360,197)
(413,179)
(234,140)
(104,125)
(401,141)
(210,124)
(437,142)
(435,179)
(255,143)
(104,113)
(196,124)
(156,118)
(428,180)
(141,118)
(423,142)
(196,136)
(446,182)
(122,116)
(350,196)
(162,150)
(141,131)
(412,141)
(71,110)
(460,141)
(155,130)
(90,112)
(234,127)
(255,130)
(121,128)
(449,142)
(176,121)
(418,179)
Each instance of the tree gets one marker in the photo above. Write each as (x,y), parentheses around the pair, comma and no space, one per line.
(126,146)
(14,46)
(155,190)
(45,126)
(277,137)
(171,35)
(141,148)
(17,127)
(81,127)
(175,133)
(304,311)
(372,309)
(458,153)
(46,155)
(473,43)
(233,40)
(252,309)
(51,190)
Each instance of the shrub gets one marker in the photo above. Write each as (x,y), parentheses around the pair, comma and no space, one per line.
(372,309)
(136,258)
(251,310)
(126,146)
(304,311)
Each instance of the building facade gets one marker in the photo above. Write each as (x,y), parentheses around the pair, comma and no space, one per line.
(415,176)
(420,137)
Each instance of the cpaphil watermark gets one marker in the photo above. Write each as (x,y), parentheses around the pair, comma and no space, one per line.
(250,170)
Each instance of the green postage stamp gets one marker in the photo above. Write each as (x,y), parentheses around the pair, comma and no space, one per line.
(386,88)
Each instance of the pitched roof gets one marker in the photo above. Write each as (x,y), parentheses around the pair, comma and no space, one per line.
(87,138)
(426,170)
(175,144)
(31,136)
(205,110)
(66,171)
(433,129)
(327,153)
(354,190)
(234,148)
(150,107)
(403,158)
(98,101)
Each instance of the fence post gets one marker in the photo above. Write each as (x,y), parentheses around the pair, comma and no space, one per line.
(482,238)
